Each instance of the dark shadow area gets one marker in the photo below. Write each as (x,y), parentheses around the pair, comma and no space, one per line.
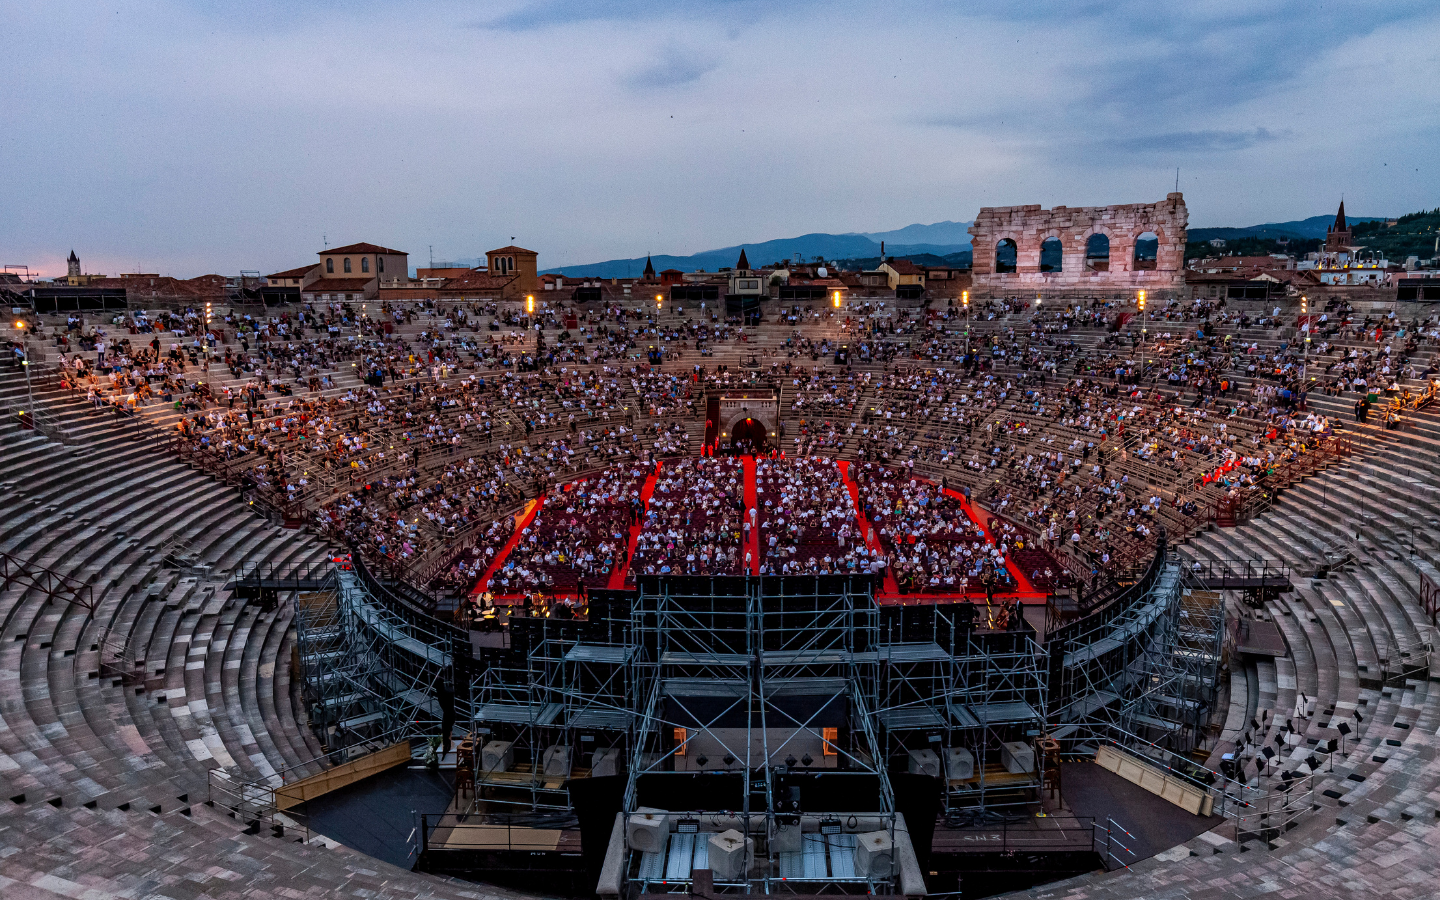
(374,816)
(1156,824)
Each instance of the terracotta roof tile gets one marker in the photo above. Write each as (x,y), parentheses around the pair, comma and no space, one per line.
(361,248)
(295,273)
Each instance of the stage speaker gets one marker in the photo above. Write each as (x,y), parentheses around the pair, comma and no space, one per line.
(959,764)
(1019,757)
(924,762)
(556,761)
(786,838)
(605,762)
(874,854)
(730,854)
(647,830)
(497,756)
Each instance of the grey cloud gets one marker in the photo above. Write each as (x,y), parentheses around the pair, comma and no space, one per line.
(1210,141)
(549,13)
(674,68)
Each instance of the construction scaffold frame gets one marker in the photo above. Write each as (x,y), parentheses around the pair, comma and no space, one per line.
(370,665)
(764,689)
(1148,665)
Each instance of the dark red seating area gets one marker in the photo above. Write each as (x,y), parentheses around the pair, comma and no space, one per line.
(694,521)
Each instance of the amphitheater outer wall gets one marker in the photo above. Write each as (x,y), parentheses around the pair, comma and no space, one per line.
(1031,226)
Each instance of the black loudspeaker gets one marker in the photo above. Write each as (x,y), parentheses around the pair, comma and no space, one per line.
(917,798)
(596,801)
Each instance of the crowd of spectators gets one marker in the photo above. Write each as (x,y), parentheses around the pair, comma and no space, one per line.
(696,522)
(407,428)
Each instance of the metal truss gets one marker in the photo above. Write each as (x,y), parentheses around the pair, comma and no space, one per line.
(1150,669)
(367,669)
(966,690)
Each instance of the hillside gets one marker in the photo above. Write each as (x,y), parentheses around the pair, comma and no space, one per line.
(1416,234)
(939,239)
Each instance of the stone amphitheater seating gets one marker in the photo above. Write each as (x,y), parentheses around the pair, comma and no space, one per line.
(105,777)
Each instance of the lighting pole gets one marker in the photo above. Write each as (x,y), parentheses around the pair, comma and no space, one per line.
(25,362)
(1305,348)
(1144,331)
(965,302)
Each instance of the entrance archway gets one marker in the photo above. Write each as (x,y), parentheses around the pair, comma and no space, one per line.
(748,435)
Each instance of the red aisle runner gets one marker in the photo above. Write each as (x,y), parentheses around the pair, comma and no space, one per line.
(1025,587)
(752,544)
(618,574)
(526,518)
(892,587)
(891,590)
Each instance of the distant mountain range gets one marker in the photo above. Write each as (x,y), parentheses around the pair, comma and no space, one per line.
(939,239)
(943,241)
(1313,227)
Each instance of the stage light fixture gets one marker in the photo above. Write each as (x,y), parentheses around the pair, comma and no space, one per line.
(687,826)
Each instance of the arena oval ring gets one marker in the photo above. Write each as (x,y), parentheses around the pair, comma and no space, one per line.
(239,609)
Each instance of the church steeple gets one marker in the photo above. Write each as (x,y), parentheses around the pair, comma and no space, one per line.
(1339,237)
(73,265)
(649,268)
(743,264)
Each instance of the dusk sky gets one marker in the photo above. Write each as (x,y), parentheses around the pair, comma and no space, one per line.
(193,137)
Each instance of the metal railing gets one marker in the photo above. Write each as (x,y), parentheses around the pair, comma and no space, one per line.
(1259,811)
(253,804)
(55,585)
(493,831)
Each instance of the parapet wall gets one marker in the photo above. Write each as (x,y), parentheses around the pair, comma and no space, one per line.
(1031,226)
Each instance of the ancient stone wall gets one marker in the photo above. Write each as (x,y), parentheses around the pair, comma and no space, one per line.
(1030,226)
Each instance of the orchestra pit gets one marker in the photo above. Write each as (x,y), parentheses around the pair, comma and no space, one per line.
(907,597)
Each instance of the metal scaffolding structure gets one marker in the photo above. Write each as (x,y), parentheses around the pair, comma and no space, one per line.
(759,715)
(1146,666)
(964,693)
(370,665)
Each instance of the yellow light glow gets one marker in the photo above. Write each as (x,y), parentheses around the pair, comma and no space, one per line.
(965,299)
(530,304)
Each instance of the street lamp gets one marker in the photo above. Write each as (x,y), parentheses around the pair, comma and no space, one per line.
(1144,329)
(25,362)
(836,299)
(965,302)
(1305,347)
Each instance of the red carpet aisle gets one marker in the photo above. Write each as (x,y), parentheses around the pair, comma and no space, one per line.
(1026,588)
(890,592)
(752,544)
(531,511)
(891,588)
(619,573)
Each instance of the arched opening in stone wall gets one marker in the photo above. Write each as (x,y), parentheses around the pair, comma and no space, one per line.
(748,436)
(1005,255)
(1097,253)
(1052,255)
(1147,250)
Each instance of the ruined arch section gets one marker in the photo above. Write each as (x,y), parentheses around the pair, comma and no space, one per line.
(1030,226)
(765,410)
